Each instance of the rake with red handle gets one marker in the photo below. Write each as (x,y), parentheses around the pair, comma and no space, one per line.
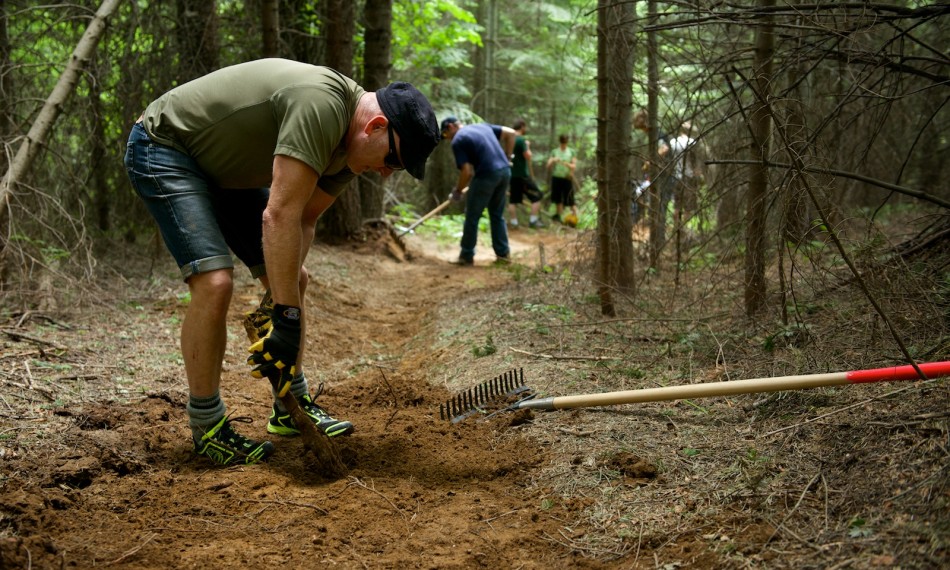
(510,386)
(750,386)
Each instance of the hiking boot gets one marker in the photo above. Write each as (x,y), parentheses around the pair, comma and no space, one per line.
(503,260)
(536,224)
(226,447)
(464,261)
(282,424)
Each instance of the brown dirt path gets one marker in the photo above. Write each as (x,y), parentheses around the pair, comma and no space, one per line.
(112,483)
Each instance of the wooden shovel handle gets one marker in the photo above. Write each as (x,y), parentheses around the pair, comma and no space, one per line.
(329,463)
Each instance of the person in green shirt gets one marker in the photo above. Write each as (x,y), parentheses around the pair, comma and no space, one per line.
(245,160)
(522,183)
(562,164)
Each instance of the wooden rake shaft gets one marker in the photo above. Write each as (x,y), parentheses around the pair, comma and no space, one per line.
(750,386)
(428,216)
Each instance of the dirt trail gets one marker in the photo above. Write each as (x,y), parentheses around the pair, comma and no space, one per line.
(98,483)
(96,466)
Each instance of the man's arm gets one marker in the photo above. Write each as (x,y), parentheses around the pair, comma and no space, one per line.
(507,140)
(466,172)
(527,158)
(289,220)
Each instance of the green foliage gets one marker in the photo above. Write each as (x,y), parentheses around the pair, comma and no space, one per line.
(858,528)
(432,35)
(48,253)
(486,349)
(561,312)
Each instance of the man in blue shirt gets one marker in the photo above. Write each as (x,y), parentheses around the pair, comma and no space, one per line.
(482,154)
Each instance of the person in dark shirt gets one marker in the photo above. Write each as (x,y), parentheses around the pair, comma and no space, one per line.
(481,154)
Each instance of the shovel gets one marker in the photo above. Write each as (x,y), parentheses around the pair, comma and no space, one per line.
(426,217)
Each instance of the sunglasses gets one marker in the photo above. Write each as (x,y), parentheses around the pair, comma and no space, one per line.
(392,159)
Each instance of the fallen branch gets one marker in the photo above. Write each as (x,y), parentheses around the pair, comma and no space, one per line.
(17,335)
(554,357)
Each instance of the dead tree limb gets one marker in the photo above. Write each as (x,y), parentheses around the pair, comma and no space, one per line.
(36,138)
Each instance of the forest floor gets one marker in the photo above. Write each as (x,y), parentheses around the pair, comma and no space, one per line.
(96,466)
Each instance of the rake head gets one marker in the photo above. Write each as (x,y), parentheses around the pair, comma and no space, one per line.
(488,398)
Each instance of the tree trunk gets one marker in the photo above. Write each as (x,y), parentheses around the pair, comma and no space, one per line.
(619,253)
(102,193)
(344,219)
(756,213)
(36,138)
(604,270)
(377,61)
(270,28)
(658,177)
(483,72)
(197,38)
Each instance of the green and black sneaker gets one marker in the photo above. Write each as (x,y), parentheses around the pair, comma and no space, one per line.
(282,424)
(225,446)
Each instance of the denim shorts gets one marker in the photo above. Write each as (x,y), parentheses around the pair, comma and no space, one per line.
(200,223)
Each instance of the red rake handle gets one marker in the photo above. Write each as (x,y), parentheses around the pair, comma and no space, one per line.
(930,369)
(750,386)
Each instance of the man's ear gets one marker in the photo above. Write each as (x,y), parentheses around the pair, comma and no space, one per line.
(376,123)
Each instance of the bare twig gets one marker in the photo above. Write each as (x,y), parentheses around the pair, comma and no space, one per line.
(391,393)
(135,550)
(554,357)
(839,410)
(17,335)
(358,483)
(284,503)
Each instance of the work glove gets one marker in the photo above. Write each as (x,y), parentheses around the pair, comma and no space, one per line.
(275,355)
(257,323)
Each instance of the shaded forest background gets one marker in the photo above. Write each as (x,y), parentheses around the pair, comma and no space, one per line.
(816,123)
(818,242)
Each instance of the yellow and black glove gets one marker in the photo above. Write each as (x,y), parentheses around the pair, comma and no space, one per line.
(275,356)
(257,323)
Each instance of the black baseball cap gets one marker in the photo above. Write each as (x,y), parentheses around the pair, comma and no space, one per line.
(412,116)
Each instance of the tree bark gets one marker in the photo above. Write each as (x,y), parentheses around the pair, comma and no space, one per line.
(377,23)
(604,290)
(617,198)
(270,28)
(344,219)
(35,139)
(658,177)
(756,212)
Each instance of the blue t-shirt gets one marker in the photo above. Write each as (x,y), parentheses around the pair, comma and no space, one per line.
(478,144)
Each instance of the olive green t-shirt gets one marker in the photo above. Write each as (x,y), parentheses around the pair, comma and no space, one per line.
(234,120)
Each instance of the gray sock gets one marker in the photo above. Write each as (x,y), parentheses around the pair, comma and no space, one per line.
(204,414)
(299,388)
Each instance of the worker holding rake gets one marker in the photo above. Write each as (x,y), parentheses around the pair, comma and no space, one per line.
(245,160)
(482,154)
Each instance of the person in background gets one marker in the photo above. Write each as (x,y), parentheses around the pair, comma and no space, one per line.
(687,173)
(244,160)
(522,179)
(665,177)
(562,164)
(481,154)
